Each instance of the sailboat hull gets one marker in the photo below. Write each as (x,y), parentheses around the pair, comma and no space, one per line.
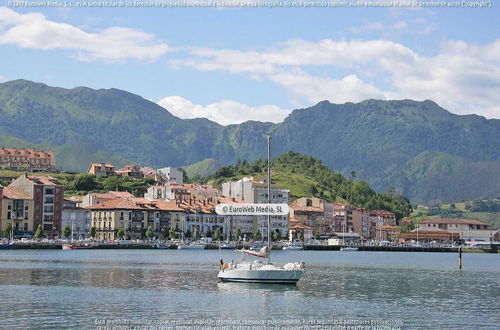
(267,273)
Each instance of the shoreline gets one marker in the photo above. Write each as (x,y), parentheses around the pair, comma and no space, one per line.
(151,246)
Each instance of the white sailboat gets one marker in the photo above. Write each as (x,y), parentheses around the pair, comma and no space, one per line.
(259,271)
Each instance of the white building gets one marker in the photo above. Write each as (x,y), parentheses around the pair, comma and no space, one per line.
(251,190)
(172,174)
(469,230)
(77,218)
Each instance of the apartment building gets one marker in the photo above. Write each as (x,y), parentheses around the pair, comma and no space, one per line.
(76,217)
(17,208)
(135,216)
(27,159)
(172,174)
(48,195)
(310,211)
(253,190)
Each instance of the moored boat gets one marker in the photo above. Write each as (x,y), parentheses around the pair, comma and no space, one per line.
(259,271)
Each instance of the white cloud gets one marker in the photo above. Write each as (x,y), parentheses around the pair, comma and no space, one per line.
(347,89)
(35,31)
(225,112)
(462,77)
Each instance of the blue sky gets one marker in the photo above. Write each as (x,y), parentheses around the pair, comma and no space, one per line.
(235,64)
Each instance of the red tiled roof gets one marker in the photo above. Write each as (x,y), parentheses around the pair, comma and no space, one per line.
(76,198)
(45,180)
(454,221)
(428,235)
(26,152)
(229,200)
(116,204)
(15,193)
(103,195)
(168,206)
(388,227)
(121,194)
(306,208)
(382,213)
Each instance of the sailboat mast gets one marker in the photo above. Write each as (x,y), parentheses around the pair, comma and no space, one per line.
(269,246)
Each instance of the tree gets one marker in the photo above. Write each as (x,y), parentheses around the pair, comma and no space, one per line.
(121,233)
(277,235)
(92,232)
(187,234)
(112,183)
(302,235)
(149,233)
(8,229)
(40,233)
(66,231)
(317,236)
(238,234)
(171,233)
(85,182)
(217,234)
(257,234)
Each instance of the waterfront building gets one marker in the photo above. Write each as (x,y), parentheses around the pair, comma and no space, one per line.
(386,233)
(342,213)
(27,159)
(201,219)
(361,222)
(16,208)
(383,217)
(469,230)
(299,231)
(101,169)
(131,171)
(455,225)
(48,195)
(92,199)
(245,223)
(76,217)
(252,190)
(135,216)
(428,236)
(309,212)
(172,174)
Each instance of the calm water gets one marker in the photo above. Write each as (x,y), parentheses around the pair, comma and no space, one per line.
(162,288)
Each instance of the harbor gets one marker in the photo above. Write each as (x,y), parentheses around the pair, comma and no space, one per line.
(490,248)
(180,288)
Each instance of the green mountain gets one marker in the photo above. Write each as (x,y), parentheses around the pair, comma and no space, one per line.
(306,176)
(419,148)
(201,169)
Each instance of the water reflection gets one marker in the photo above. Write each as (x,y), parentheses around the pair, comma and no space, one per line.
(56,289)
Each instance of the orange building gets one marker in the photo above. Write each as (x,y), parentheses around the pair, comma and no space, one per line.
(101,169)
(27,159)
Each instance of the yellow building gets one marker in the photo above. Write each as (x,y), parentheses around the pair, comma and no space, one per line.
(134,216)
(17,209)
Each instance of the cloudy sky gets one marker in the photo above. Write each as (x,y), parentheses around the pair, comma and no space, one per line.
(235,64)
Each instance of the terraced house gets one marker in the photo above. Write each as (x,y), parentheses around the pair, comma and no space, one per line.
(134,216)
(27,159)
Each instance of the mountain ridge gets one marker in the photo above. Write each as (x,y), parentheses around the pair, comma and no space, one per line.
(380,140)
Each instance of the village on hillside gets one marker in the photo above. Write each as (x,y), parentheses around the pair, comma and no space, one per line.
(34,205)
